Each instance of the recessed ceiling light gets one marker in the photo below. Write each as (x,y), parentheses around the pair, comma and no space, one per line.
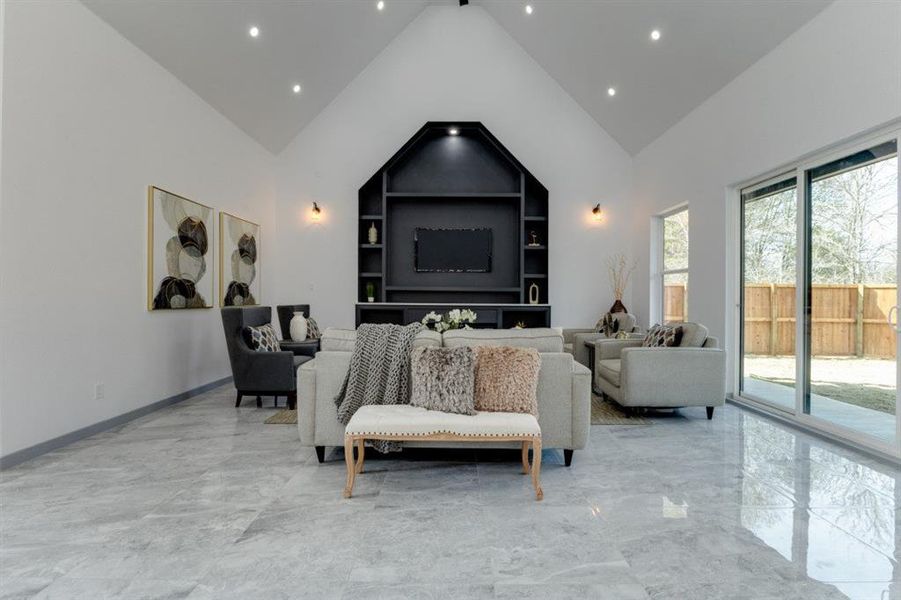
(380,5)
(528,9)
(254,31)
(611,91)
(453,131)
(655,35)
(296,88)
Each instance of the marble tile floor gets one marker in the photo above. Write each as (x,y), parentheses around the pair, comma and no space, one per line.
(202,500)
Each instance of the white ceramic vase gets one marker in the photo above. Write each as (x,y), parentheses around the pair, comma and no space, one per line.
(298,327)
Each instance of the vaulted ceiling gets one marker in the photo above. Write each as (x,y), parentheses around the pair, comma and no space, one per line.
(586,46)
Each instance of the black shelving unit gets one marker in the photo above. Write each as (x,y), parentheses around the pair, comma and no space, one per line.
(462,180)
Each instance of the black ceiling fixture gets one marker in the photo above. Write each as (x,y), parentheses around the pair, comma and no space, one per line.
(464,2)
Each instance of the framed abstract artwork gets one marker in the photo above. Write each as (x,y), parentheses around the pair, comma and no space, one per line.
(179,252)
(239,261)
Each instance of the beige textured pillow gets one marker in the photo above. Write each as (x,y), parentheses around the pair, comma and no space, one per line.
(507,379)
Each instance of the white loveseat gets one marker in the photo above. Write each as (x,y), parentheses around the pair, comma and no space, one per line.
(564,386)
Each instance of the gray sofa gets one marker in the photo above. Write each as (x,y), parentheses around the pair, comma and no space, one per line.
(564,394)
(692,374)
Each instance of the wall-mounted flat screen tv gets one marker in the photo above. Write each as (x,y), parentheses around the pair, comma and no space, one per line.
(452,250)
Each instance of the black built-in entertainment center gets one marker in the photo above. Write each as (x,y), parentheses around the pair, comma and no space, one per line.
(460,223)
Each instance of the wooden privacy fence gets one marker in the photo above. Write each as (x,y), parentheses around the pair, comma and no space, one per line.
(848,320)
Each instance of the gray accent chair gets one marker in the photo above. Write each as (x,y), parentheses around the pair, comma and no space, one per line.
(692,374)
(258,373)
(574,339)
(564,386)
(298,347)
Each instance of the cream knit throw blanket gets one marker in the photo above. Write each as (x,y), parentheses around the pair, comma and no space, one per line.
(379,372)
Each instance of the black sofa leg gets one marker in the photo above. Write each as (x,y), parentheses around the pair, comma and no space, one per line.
(292,401)
(259,402)
(567,457)
(320,453)
(709,413)
(238,401)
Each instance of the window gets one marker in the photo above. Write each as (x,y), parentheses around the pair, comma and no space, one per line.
(674,267)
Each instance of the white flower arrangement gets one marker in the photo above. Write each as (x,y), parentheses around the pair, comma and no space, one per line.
(454,319)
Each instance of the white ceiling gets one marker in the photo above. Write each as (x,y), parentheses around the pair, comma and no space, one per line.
(587,46)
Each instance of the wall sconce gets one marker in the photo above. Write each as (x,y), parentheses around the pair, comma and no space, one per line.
(596,213)
(316,213)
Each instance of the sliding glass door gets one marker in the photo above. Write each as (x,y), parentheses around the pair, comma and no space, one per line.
(819,270)
(852,285)
(769,229)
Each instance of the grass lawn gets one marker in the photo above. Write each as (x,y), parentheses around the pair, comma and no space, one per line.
(866,382)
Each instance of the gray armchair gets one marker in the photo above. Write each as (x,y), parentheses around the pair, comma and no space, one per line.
(692,374)
(574,339)
(258,373)
(298,347)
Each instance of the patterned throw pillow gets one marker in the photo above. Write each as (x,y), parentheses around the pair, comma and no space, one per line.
(507,379)
(313,332)
(443,379)
(262,338)
(663,336)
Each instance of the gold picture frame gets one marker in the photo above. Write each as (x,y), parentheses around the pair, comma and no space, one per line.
(239,254)
(179,236)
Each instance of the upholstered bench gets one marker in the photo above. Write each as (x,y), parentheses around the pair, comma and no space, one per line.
(401,422)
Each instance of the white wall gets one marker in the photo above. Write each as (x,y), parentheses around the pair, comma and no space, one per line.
(88,123)
(837,76)
(451,64)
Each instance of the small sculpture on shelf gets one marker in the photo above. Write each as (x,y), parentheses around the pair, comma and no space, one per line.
(370,291)
(534,293)
(533,238)
(373,234)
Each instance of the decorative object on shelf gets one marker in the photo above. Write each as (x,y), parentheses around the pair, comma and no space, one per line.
(619,270)
(520,325)
(534,293)
(178,237)
(458,318)
(316,213)
(239,261)
(370,291)
(298,326)
(373,234)
(596,213)
(533,238)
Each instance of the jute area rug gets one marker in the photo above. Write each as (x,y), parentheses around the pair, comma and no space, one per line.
(603,412)
(608,412)
(283,417)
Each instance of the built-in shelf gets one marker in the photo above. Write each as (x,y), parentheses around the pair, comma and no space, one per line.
(453,194)
(410,288)
(397,198)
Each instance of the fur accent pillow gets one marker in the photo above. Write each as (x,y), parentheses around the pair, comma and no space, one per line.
(507,379)
(313,332)
(262,338)
(443,379)
(662,336)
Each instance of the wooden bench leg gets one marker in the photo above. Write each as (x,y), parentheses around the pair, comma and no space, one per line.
(351,468)
(536,468)
(360,455)
(525,457)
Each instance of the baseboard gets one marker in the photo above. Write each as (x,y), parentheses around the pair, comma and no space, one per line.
(20,456)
